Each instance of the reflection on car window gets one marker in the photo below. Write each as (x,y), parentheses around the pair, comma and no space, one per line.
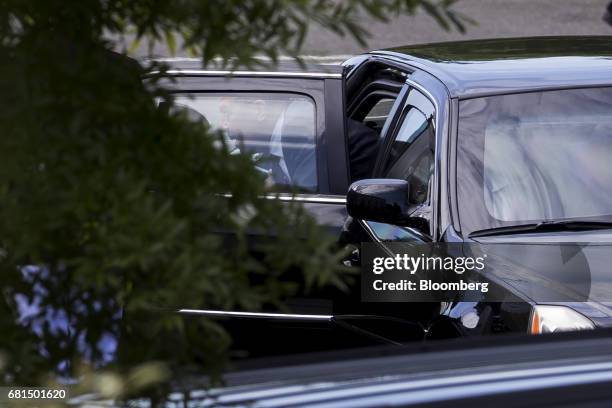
(393,233)
(380,111)
(278,130)
(412,156)
(530,158)
(535,156)
(413,125)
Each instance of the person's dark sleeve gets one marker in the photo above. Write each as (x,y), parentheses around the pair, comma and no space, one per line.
(363,145)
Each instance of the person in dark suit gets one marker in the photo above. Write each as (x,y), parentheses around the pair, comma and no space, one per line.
(363,145)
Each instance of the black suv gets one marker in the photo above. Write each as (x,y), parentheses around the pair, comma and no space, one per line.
(495,142)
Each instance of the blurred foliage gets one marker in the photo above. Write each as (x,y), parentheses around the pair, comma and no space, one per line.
(110,207)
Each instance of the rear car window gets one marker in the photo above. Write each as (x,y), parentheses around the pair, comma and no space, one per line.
(276,129)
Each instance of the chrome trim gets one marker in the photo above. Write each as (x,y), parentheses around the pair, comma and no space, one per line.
(257,315)
(280,74)
(263,58)
(303,198)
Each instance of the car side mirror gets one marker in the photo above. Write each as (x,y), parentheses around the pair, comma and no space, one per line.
(383,200)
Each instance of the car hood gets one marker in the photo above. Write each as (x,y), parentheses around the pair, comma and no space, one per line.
(571,268)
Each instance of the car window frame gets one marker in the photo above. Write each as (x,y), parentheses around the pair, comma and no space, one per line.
(332,171)
(395,125)
(386,164)
(401,107)
(277,188)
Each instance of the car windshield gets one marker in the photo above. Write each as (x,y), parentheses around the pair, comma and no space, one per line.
(532,157)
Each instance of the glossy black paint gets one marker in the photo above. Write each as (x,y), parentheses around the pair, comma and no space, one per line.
(444,73)
(479,67)
(566,370)
(381,200)
(452,71)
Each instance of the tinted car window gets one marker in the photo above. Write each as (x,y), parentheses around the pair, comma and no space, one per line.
(534,156)
(413,125)
(380,111)
(278,130)
(411,154)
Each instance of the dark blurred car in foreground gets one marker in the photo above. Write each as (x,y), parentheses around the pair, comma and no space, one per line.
(494,142)
(558,370)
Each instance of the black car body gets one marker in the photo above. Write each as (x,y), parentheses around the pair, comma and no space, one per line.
(430,85)
(567,370)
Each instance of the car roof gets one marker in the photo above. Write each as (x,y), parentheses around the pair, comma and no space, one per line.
(496,66)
